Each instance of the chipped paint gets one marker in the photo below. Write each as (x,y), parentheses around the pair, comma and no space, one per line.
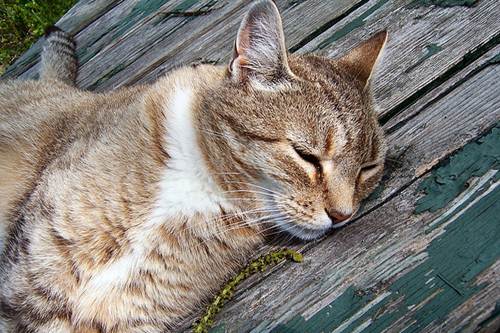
(474,160)
(331,316)
(430,50)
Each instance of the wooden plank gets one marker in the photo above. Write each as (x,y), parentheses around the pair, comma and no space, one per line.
(93,73)
(425,43)
(152,32)
(478,312)
(421,138)
(430,136)
(207,36)
(433,100)
(83,13)
(490,58)
(132,55)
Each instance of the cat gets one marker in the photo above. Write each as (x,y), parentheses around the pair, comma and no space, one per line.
(125,211)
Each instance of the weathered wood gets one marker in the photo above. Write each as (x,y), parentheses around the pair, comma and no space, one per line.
(407,162)
(425,43)
(135,60)
(157,36)
(121,28)
(435,130)
(209,37)
(476,311)
(391,272)
(113,28)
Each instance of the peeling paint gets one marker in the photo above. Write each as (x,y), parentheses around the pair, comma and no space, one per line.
(331,316)
(473,160)
(430,50)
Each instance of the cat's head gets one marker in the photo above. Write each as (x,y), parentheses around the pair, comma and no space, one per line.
(295,137)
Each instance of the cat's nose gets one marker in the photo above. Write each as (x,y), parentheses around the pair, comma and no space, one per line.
(337,216)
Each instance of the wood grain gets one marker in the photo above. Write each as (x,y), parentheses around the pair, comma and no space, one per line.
(424,43)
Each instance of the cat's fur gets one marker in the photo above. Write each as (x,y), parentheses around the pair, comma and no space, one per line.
(125,211)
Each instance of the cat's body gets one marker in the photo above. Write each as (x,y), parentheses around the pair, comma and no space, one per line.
(92,174)
(124,211)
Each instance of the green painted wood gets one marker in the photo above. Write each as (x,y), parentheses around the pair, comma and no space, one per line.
(474,160)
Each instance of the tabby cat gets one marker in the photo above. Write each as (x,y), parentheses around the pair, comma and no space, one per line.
(125,211)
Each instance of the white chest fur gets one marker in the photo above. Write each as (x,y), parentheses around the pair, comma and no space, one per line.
(186,187)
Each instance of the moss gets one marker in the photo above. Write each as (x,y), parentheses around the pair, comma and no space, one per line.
(258,265)
(23,21)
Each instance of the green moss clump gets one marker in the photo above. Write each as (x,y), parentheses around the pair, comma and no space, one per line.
(258,265)
(23,21)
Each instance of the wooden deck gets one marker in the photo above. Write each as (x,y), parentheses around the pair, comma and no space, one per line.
(423,256)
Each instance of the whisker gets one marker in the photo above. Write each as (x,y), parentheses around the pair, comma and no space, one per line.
(253,192)
(247,223)
(257,186)
(220,219)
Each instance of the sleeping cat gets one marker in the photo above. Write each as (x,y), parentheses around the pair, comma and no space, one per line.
(125,211)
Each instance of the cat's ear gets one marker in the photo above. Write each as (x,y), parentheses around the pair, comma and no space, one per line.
(362,59)
(260,55)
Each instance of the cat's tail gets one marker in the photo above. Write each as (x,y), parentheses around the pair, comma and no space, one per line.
(58,57)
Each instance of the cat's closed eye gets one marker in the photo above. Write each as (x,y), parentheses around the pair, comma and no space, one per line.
(369,170)
(308,157)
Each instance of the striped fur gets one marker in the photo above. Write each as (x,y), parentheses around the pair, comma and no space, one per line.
(126,211)
(58,57)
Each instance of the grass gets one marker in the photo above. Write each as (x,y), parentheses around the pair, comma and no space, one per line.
(22,22)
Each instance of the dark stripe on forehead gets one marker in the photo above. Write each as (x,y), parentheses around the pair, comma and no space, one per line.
(257,137)
(375,146)
(235,127)
(330,144)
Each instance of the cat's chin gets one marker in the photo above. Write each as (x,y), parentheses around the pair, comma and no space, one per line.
(305,234)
